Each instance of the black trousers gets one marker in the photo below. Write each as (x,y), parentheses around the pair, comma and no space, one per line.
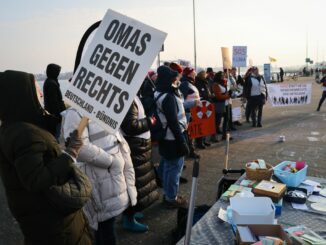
(226,119)
(248,111)
(105,233)
(321,101)
(256,106)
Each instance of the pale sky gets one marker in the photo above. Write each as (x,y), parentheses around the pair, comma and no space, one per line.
(37,32)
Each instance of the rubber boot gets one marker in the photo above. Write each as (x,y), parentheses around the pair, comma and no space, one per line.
(139,215)
(131,224)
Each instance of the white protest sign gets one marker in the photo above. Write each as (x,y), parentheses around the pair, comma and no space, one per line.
(113,68)
(289,94)
(267,73)
(226,58)
(239,56)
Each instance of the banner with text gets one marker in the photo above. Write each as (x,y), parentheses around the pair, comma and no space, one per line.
(239,56)
(289,94)
(113,68)
(202,120)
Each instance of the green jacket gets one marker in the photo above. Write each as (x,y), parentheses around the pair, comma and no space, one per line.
(30,162)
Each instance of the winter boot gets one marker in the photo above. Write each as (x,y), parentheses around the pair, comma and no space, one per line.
(131,224)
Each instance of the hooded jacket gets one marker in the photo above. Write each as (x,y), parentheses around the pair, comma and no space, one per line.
(169,148)
(30,162)
(105,159)
(53,102)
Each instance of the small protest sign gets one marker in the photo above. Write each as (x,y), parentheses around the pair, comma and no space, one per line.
(202,120)
(239,56)
(289,94)
(226,58)
(113,68)
(267,73)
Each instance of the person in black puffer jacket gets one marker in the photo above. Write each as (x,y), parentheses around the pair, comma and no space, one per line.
(53,102)
(135,127)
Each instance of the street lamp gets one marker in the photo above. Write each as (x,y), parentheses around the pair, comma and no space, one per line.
(194,19)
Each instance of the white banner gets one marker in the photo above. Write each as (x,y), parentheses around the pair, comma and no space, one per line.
(289,94)
(236,114)
(113,68)
(239,56)
(236,109)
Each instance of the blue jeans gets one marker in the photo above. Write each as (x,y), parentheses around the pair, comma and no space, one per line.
(169,172)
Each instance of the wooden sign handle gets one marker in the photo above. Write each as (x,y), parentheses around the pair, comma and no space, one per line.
(82,125)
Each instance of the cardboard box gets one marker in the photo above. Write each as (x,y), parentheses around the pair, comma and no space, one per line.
(271,189)
(252,210)
(265,230)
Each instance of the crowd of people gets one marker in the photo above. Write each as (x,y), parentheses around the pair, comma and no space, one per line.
(118,166)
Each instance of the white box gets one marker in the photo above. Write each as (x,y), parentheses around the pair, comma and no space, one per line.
(252,210)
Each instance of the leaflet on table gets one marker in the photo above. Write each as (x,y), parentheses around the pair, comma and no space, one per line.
(234,190)
(299,206)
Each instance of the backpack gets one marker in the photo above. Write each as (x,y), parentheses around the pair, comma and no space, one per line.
(158,132)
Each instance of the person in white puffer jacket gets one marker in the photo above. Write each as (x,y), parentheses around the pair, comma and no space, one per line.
(105,159)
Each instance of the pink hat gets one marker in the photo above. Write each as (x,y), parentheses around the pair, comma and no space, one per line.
(188,70)
(150,74)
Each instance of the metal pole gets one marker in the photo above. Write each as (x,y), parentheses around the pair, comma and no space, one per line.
(195,173)
(158,60)
(194,18)
(307,49)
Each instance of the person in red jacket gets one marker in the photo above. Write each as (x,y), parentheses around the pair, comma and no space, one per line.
(221,102)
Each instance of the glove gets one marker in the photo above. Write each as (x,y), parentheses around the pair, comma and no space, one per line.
(184,149)
(73,144)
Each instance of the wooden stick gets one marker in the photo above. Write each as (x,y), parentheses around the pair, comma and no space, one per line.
(82,125)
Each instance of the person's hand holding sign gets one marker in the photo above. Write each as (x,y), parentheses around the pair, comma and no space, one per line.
(152,120)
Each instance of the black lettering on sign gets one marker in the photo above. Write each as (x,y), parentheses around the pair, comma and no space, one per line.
(145,38)
(120,67)
(127,37)
(80,77)
(109,68)
(104,91)
(124,96)
(130,72)
(104,57)
(112,28)
(95,56)
(122,35)
(115,91)
(133,41)
(97,81)
(87,82)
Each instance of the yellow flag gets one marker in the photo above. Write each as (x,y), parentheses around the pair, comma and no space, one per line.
(271,59)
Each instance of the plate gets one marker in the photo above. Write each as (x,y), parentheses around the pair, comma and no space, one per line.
(319,206)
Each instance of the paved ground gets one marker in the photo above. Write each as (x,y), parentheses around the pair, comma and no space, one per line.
(305,133)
